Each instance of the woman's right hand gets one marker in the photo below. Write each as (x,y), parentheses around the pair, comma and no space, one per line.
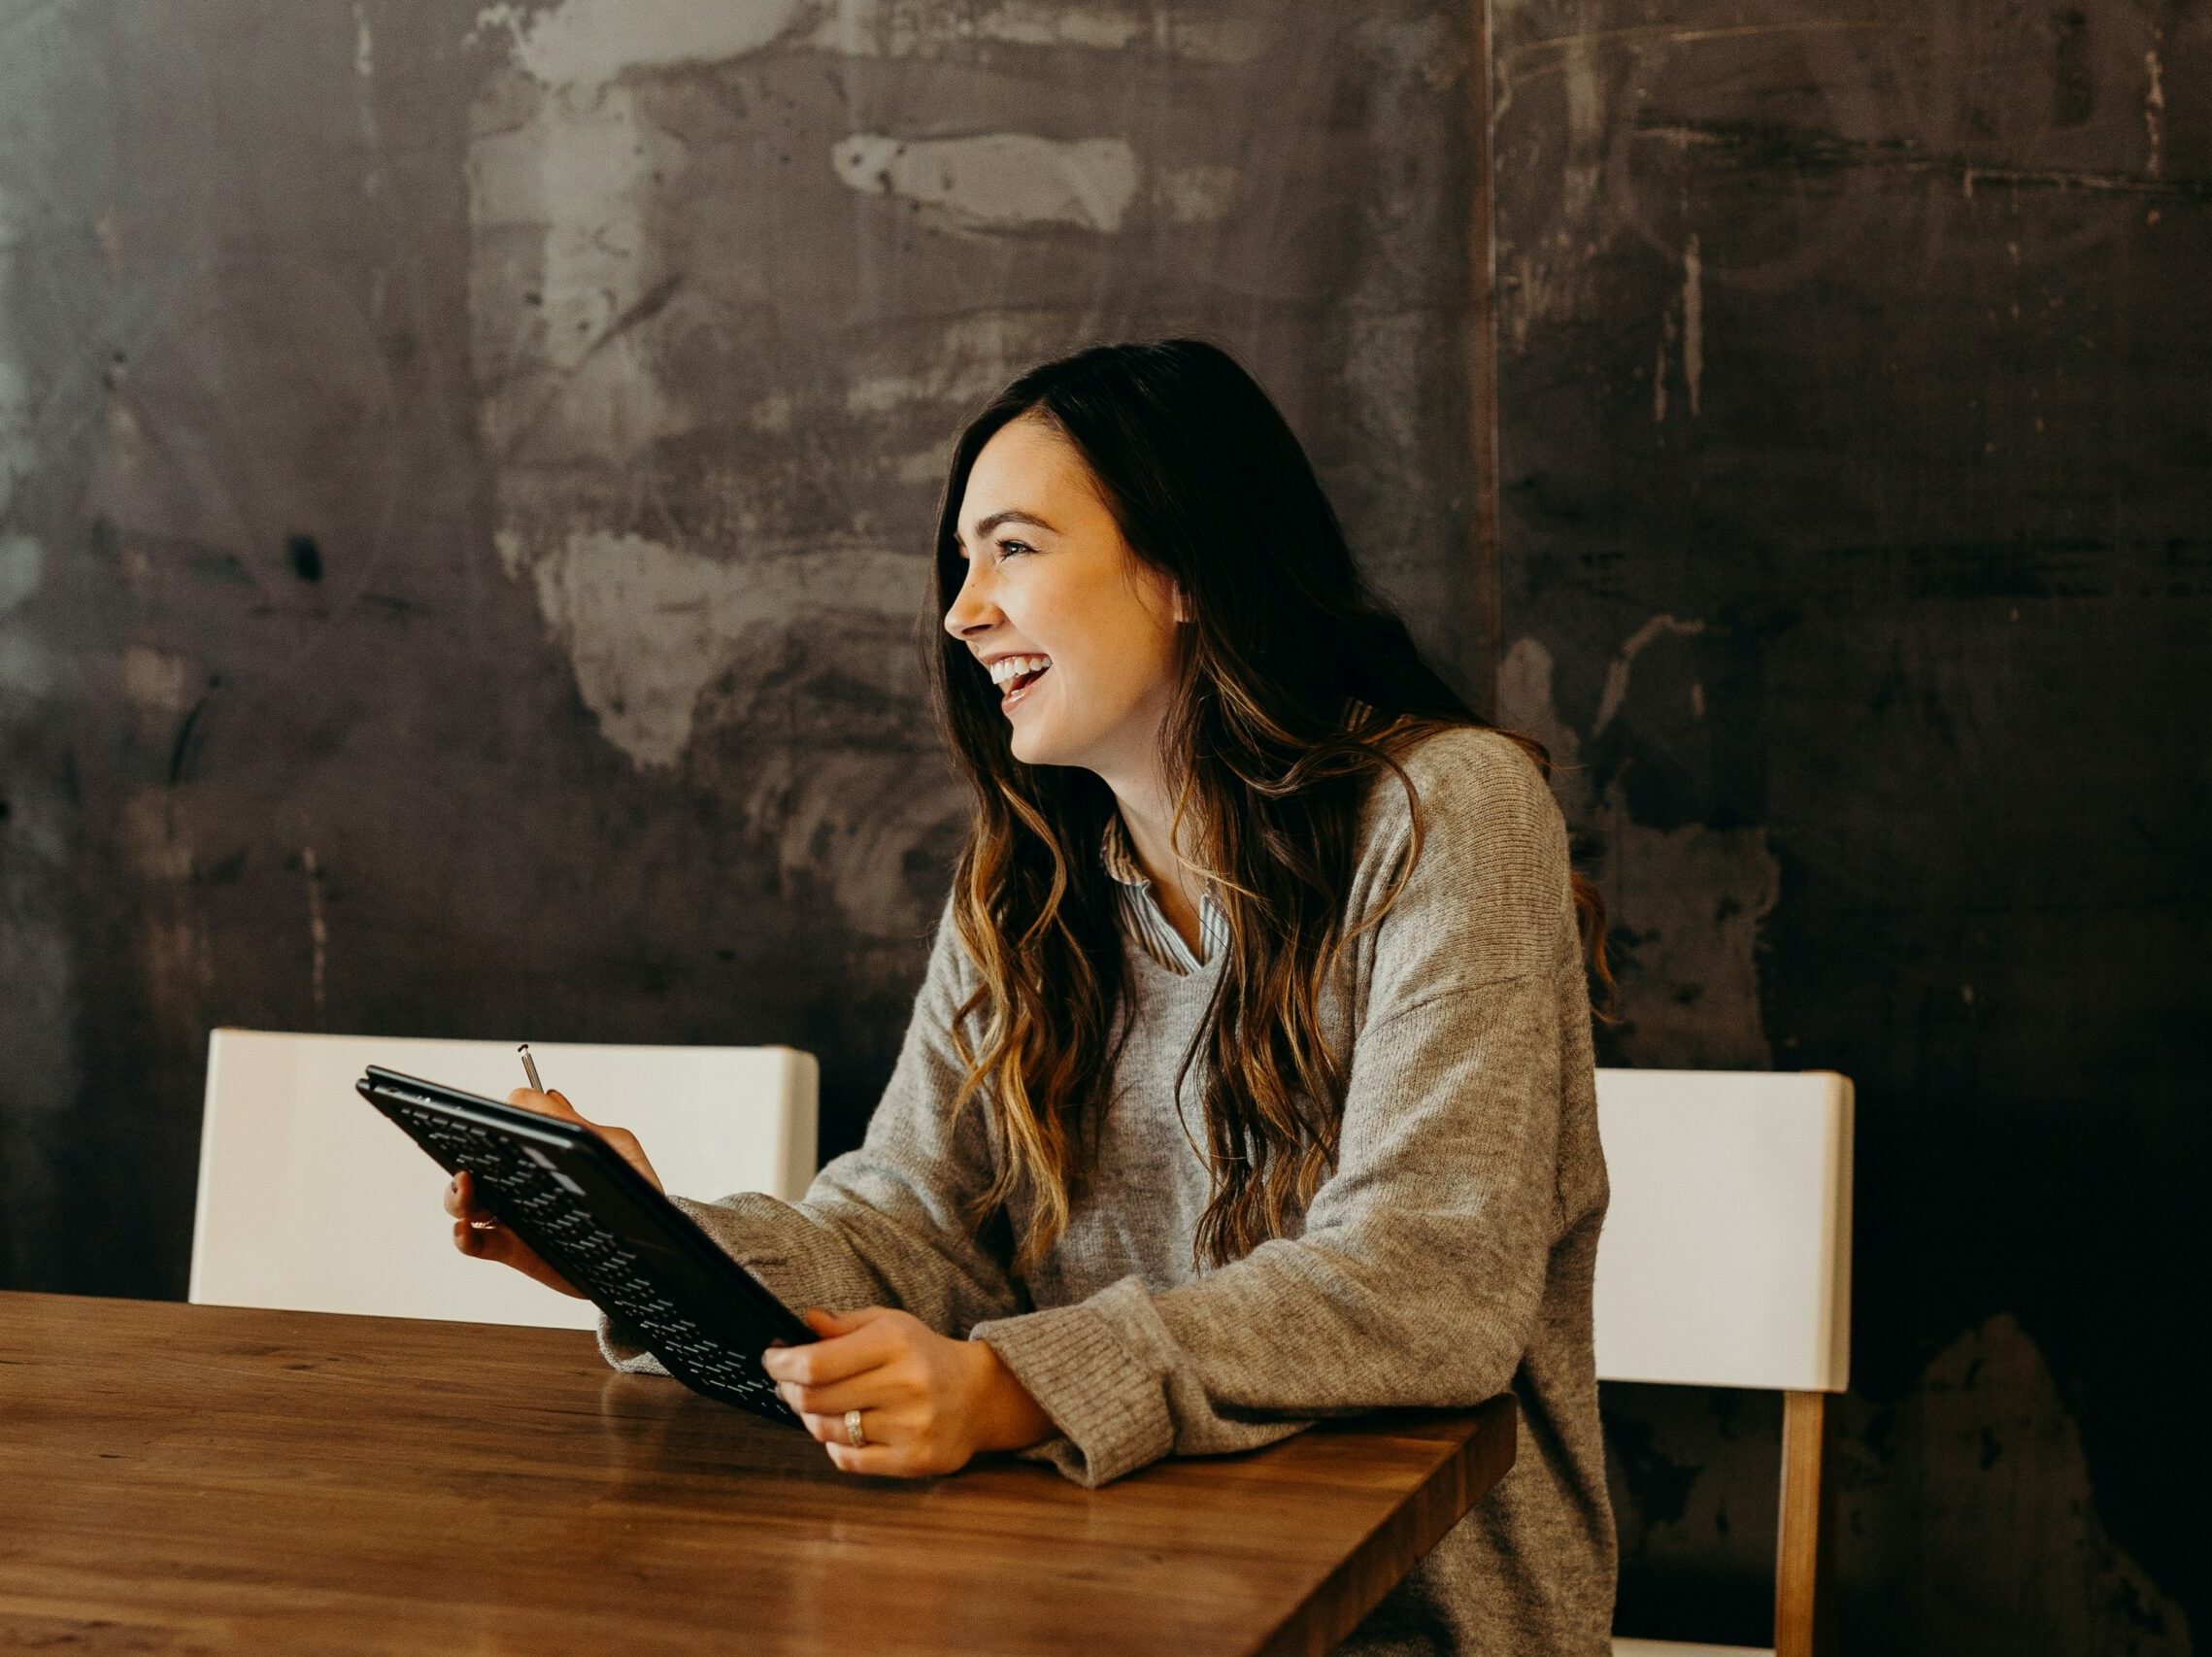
(480,1236)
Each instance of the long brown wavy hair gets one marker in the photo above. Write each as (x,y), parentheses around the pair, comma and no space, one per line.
(1208,485)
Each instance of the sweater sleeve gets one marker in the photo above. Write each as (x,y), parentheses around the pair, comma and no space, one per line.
(886,1224)
(1419,1273)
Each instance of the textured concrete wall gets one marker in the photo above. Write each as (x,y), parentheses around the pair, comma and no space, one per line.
(1856,456)
(464,481)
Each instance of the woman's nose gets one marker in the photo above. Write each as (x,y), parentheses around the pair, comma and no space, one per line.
(973,611)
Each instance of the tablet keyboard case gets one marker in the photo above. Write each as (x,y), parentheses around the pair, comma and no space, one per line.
(548,1192)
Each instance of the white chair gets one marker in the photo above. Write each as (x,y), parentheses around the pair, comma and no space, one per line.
(1725,1262)
(310,1199)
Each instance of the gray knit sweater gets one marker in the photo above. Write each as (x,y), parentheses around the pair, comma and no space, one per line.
(1447,1259)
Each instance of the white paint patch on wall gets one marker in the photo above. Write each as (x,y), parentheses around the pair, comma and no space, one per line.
(903,28)
(1617,672)
(589,43)
(996,181)
(558,200)
(1525,702)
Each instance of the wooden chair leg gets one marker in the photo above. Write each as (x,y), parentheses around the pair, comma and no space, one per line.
(1804,1545)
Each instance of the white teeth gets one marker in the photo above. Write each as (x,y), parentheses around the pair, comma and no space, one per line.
(1014,667)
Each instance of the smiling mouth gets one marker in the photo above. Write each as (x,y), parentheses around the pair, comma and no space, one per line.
(1016,691)
(1015,673)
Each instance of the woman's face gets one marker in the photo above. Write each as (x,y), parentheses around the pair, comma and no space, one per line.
(1048,575)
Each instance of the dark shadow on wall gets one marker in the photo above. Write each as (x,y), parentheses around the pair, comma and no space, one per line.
(1695,1493)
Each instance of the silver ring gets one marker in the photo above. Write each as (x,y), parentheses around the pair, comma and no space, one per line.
(853,1433)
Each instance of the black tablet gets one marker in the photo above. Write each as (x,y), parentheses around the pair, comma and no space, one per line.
(600,1224)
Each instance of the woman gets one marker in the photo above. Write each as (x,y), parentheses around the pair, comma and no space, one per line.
(1251,1079)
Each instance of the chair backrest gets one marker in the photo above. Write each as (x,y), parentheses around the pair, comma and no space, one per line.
(1725,1256)
(310,1199)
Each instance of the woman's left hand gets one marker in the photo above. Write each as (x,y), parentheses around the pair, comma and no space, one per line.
(927,1403)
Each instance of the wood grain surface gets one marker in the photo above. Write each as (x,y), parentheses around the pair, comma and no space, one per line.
(184,1478)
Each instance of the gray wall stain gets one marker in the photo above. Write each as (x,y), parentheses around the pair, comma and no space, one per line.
(1988,1401)
(1871,348)
(1684,902)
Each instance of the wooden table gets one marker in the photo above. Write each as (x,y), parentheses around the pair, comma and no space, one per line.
(181,1479)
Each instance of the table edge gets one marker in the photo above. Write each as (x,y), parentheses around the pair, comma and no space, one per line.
(1358,1583)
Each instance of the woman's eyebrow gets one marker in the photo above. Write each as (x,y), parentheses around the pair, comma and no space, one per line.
(1012,515)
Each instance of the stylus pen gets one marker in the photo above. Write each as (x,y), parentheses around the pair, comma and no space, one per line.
(529,1069)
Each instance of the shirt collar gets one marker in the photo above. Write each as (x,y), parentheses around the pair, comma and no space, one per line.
(1114,852)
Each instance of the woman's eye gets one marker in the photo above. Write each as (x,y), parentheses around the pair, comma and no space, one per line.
(1007,549)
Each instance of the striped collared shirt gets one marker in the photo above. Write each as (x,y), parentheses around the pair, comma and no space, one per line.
(1142,915)
(1146,923)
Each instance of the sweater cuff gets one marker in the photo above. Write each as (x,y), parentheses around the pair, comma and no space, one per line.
(619,1345)
(1110,1406)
